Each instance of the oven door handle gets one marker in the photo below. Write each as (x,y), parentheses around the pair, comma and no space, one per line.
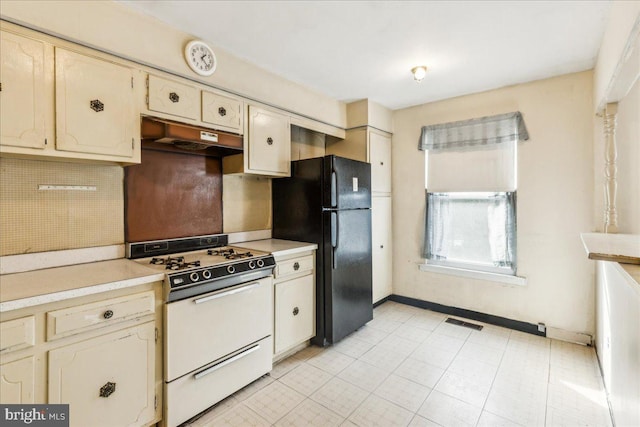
(224,363)
(226,294)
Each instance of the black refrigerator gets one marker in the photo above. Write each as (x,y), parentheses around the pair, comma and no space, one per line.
(327,201)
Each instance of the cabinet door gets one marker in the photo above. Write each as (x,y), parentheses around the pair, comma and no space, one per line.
(107,381)
(381,238)
(294,312)
(380,159)
(269,142)
(24,91)
(177,99)
(222,111)
(95,106)
(17,381)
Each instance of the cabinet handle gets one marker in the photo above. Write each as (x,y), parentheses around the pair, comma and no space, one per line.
(269,141)
(108,389)
(381,163)
(296,266)
(96,105)
(381,246)
(222,111)
(295,311)
(174,97)
(108,314)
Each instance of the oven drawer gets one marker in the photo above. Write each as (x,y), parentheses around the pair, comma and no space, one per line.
(69,321)
(207,327)
(293,266)
(195,392)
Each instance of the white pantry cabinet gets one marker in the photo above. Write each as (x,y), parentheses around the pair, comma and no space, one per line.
(60,103)
(381,247)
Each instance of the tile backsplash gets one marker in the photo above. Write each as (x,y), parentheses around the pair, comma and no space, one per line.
(67,217)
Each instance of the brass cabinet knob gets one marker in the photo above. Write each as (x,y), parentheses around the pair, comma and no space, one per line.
(269,141)
(295,311)
(174,97)
(107,314)
(108,389)
(296,266)
(96,105)
(222,111)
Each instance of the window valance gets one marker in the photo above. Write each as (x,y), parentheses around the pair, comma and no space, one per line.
(474,133)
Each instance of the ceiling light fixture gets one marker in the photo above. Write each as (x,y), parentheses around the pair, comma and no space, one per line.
(419,72)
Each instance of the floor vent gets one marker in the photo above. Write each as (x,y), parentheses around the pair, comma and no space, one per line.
(465,324)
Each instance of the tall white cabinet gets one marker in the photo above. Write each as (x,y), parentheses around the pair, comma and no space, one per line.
(368,139)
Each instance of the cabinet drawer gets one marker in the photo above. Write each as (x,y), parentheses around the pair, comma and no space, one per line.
(294,266)
(69,321)
(294,312)
(166,96)
(17,334)
(222,111)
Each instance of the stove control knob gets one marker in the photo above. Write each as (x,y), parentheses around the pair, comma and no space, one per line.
(194,277)
(206,274)
(231,269)
(252,264)
(260,263)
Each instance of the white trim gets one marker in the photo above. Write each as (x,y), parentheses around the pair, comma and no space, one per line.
(474,274)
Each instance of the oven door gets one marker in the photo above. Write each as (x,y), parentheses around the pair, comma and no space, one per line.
(205,328)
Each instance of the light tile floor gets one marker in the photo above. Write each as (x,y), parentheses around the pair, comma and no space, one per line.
(408,368)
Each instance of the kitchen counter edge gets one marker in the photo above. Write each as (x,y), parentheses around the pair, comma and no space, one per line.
(277,247)
(62,283)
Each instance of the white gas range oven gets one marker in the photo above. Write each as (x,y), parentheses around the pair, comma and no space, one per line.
(218,319)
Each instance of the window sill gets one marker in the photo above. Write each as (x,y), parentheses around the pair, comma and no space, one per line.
(474,274)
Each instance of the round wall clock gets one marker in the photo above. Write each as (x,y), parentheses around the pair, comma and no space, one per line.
(200,57)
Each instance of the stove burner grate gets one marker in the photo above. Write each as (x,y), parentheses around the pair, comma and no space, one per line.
(229,253)
(174,263)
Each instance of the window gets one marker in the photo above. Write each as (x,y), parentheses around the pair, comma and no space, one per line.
(472,230)
(471,181)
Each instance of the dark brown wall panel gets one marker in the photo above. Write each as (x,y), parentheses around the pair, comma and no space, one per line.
(172,195)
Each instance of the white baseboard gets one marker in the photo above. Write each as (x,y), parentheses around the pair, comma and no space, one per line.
(569,336)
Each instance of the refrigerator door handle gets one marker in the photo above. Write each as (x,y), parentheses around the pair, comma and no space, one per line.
(334,189)
(334,237)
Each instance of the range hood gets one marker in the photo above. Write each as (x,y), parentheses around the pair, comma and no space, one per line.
(189,137)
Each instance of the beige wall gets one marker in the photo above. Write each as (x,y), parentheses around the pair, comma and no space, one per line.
(117,29)
(555,199)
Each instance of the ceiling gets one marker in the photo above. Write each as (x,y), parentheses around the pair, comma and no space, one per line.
(350,50)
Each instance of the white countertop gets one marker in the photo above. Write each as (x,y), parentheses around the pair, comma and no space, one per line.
(277,247)
(623,248)
(20,290)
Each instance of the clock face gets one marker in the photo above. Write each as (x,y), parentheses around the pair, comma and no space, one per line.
(200,58)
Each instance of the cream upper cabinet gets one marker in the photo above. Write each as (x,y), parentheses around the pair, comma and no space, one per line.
(107,381)
(95,105)
(26,90)
(380,159)
(268,146)
(222,111)
(381,247)
(173,98)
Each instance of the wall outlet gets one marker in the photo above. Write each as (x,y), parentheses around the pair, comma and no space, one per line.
(542,328)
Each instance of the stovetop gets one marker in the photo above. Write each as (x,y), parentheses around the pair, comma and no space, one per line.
(204,264)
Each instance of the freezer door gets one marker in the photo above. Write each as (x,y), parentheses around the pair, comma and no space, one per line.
(347,183)
(347,272)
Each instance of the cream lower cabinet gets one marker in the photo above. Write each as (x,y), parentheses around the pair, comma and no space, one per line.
(107,381)
(17,381)
(381,247)
(101,354)
(294,302)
